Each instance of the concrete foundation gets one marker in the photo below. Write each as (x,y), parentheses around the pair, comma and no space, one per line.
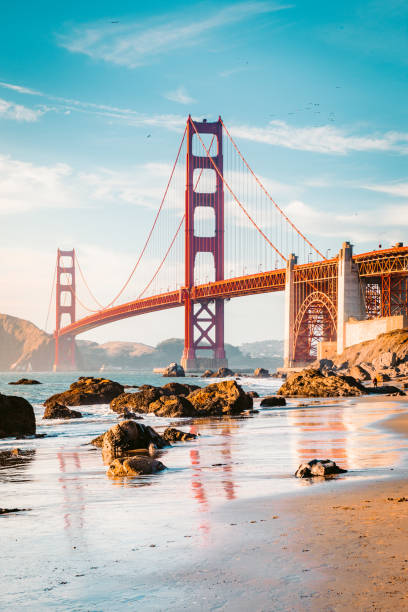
(288,356)
(350,299)
(360,331)
(200,364)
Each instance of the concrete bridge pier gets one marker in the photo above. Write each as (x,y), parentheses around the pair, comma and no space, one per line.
(350,298)
(289,324)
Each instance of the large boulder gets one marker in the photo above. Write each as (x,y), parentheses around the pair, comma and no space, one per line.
(222,373)
(87,391)
(172,406)
(174,369)
(58,411)
(25,381)
(128,436)
(134,466)
(136,402)
(171,434)
(16,417)
(261,373)
(220,399)
(312,383)
(271,400)
(176,388)
(318,467)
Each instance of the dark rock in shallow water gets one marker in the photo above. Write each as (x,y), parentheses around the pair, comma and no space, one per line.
(87,391)
(175,435)
(137,402)
(253,394)
(58,411)
(207,374)
(222,373)
(174,369)
(25,381)
(386,390)
(271,400)
(172,406)
(318,467)
(16,417)
(261,373)
(128,436)
(312,383)
(10,510)
(134,466)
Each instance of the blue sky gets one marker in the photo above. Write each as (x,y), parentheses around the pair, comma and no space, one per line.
(315,93)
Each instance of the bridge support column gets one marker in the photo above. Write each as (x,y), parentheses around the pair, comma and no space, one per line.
(288,354)
(350,301)
(65,347)
(204,320)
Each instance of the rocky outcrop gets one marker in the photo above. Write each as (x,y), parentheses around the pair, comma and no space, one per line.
(174,369)
(253,394)
(261,373)
(137,402)
(128,436)
(359,373)
(220,399)
(175,435)
(312,383)
(98,441)
(16,417)
(318,467)
(25,381)
(129,467)
(271,400)
(87,391)
(172,406)
(176,388)
(222,373)
(58,411)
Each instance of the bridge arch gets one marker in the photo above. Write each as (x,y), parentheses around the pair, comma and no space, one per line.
(316,321)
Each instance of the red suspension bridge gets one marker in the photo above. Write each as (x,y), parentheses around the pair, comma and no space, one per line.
(219,234)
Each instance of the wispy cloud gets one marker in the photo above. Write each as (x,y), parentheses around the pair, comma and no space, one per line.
(394,189)
(322,139)
(135,43)
(18,112)
(179,95)
(20,89)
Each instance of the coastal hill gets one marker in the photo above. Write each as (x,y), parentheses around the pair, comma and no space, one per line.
(24,346)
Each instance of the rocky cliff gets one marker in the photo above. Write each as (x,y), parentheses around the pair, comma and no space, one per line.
(23,346)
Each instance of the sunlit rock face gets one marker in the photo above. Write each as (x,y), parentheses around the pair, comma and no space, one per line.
(87,391)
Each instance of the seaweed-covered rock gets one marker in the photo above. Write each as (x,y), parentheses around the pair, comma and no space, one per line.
(16,417)
(87,391)
(318,467)
(172,406)
(58,411)
(171,434)
(134,466)
(25,381)
(219,399)
(128,436)
(271,400)
(312,383)
(174,369)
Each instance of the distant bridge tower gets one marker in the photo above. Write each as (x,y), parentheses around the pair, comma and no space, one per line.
(204,320)
(65,349)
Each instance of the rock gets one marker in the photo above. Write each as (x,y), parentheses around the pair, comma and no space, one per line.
(359,373)
(130,415)
(272,400)
(387,359)
(176,388)
(16,417)
(175,435)
(208,374)
(87,391)
(136,402)
(174,369)
(222,373)
(10,510)
(128,436)
(98,441)
(253,394)
(25,381)
(312,383)
(318,467)
(325,364)
(58,411)
(261,373)
(220,399)
(134,466)
(386,390)
(172,406)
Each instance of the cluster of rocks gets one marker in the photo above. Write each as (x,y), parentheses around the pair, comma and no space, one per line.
(226,373)
(314,383)
(87,391)
(182,400)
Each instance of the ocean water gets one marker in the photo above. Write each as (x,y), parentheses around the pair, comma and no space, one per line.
(87,542)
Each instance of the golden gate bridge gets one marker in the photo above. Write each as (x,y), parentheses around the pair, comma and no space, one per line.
(218,234)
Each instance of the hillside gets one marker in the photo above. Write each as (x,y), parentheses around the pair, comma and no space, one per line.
(23,345)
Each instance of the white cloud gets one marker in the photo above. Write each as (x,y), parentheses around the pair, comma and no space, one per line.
(395,189)
(18,112)
(132,44)
(20,89)
(323,139)
(179,95)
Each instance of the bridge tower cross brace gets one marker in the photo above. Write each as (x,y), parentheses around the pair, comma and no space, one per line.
(65,349)
(204,320)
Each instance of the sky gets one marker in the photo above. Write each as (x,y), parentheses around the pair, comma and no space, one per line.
(93,101)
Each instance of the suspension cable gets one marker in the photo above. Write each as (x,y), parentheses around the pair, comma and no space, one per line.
(267,193)
(52,293)
(85,283)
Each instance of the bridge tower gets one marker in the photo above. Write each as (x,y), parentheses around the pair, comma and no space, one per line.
(204,320)
(65,349)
